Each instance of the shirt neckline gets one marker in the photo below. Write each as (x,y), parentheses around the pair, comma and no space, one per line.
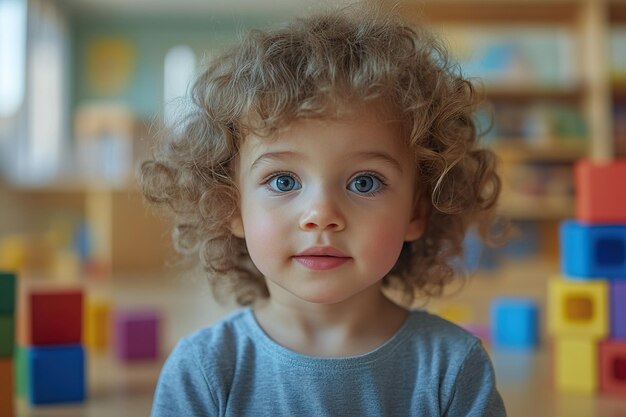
(262,339)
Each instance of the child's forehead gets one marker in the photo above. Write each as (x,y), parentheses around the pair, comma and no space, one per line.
(363,134)
(337,111)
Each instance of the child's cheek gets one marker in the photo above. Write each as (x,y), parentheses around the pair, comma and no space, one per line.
(263,237)
(383,246)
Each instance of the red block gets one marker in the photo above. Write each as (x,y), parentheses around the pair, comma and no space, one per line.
(601,191)
(613,366)
(56,317)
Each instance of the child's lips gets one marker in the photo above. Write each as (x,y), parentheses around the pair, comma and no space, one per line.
(321,263)
(320,258)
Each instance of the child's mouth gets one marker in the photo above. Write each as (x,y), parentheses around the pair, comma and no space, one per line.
(320,263)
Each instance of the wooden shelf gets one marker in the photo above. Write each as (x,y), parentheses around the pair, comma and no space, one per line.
(492,11)
(535,93)
(544,207)
(555,150)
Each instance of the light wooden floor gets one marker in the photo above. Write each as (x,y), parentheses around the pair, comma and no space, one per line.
(524,379)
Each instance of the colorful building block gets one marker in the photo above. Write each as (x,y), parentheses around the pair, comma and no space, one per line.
(613,367)
(589,251)
(7,335)
(55,317)
(21,371)
(618,310)
(456,313)
(514,323)
(56,374)
(137,334)
(97,323)
(7,403)
(7,293)
(576,365)
(578,309)
(598,198)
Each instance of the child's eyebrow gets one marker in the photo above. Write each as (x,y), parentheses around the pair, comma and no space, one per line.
(368,155)
(272,156)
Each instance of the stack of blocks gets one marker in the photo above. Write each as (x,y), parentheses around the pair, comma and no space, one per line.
(51,357)
(7,341)
(587,308)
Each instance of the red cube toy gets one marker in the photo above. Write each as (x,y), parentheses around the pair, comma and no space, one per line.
(55,317)
(600,191)
(613,366)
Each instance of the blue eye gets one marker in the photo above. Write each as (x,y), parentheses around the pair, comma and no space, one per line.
(365,184)
(284,183)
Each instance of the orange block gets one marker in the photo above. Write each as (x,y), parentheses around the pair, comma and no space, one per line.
(600,191)
(6,387)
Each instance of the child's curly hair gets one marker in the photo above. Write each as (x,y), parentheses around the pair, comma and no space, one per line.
(312,68)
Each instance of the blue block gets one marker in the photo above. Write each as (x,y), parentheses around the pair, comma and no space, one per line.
(56,374)
(514,323)
(593,251)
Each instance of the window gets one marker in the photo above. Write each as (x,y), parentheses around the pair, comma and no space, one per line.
(179,71)
(12,55)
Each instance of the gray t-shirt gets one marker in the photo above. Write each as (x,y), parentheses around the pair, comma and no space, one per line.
(430,367)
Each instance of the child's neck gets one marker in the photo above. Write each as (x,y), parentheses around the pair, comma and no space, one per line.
(340,330)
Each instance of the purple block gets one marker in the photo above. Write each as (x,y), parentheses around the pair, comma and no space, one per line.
(137,334)
(618,309)
(481,331)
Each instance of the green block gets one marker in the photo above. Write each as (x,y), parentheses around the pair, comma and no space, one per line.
(21,372)
(7,336)
(7,293)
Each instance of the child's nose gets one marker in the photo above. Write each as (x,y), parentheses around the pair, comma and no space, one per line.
(322,215)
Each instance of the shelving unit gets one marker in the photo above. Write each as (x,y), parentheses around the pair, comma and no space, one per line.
(589,22)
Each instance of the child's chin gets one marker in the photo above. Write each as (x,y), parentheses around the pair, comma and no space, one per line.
(325,298)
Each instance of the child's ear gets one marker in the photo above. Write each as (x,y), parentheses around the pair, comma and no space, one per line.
(417,224)
(236,227)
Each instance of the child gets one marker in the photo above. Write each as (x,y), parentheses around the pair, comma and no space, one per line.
(324,163)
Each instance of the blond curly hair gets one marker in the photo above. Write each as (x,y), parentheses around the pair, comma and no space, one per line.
(311,68)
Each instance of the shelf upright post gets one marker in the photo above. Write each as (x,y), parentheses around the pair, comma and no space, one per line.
(595,22)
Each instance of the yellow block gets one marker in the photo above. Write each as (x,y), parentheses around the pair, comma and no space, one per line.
(97,323)
(578,308)
(7,402)
(457,313)
(576,365)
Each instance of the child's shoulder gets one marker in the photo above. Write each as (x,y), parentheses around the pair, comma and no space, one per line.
(433,330)
(222,334)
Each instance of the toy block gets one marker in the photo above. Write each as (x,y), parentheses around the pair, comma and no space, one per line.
(56,374)
(7,403)
(55,317)
(514,323)
(589,251)
(7,335)
(97,323)
(598,197)
(456,313)
(618,309)
(578,309)
(613,367)
(7,293)
(21,371)
(137,334)
(483,332)
(576,365)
